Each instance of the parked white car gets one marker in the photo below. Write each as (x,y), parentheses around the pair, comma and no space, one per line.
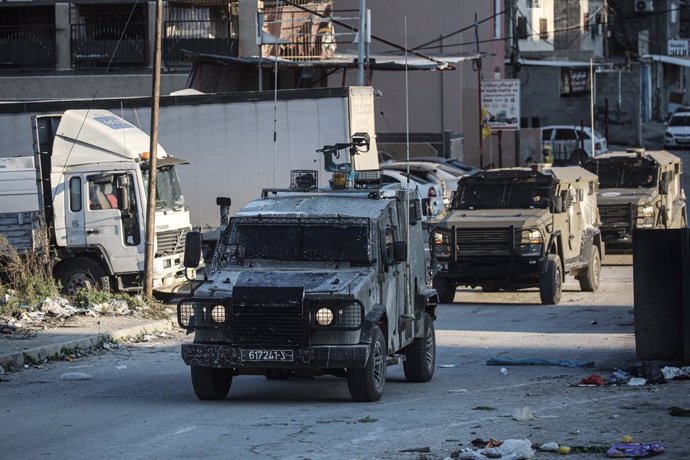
(562,140)
(427,190)
(677,130)
(444,176)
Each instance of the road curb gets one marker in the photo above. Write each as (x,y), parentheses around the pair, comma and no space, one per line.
(40,353)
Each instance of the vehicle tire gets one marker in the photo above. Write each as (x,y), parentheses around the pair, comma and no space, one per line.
(551,281)
(445,289)
(211,384)
(420,355)
(277,374)
(592,278)
(80,273)
(366,384)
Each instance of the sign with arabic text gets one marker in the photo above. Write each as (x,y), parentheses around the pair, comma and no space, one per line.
(501,103)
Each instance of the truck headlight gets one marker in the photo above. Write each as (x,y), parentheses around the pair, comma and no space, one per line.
(648,211)
(218,314)
(534,244)
(647,214)
(442,248)
(324,316)
(184,314)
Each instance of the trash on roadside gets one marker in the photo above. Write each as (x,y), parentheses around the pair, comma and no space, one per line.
(622,450)
(619,377)
(676,373)
(549,447)
(486,408)
(678,412)
(6,328)
(457,390)
(417,450)
(447,366)
(637,382)
(594,379)
(650,372)
(73,376)
(523,414)
(2,369)
(627,438)
(503,361)
(504,371)
(564,450)
(510,449)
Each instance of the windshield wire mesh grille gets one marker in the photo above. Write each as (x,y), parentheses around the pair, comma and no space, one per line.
(504,194)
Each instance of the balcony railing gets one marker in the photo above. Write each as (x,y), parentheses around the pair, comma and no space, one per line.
(205,37)
(27,47)
(100,45)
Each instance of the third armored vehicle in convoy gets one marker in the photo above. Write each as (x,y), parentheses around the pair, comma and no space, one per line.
(638,189)
(308,281)
(518,228)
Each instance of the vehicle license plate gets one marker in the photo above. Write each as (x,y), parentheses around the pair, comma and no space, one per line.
(267,355)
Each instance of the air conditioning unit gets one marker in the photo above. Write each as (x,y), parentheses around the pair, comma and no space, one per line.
(644,6)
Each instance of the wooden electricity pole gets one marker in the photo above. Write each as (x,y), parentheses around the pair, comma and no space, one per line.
(153,152)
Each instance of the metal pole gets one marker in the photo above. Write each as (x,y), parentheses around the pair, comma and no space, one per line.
(153,152)
(361,41)
(591,98)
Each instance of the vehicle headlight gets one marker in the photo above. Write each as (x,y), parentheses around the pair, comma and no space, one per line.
(218,314)
(668,134)
(534,244)
(324,316)
(535,237)
(648,211)
(184,314)
(442,244)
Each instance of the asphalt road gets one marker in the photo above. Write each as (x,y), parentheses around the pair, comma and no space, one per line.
(140,403)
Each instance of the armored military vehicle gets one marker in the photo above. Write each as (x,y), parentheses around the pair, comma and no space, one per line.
(519,228)
(638,189)
(315,281)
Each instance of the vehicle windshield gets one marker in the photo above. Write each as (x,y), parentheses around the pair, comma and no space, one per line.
(680,120)
(168,190)
(503,193)
(625,174)
(296,239)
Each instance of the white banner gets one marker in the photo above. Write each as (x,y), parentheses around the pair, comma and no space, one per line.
(501,104)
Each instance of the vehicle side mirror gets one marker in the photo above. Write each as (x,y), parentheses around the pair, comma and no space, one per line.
(123,197)
(664,186)
(400,251)
(224,204)
(558,204)
(192,249)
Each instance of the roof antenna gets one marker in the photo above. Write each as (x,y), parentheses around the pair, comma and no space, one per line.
(275,113)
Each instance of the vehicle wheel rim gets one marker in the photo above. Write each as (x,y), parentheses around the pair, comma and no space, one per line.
(429,349)
(378,365)
(596,271)
(78,281)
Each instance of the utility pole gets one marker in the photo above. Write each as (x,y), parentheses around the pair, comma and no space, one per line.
(515,61)
(361,44)
(153,152)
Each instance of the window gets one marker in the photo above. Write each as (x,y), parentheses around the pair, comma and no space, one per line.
(75,194)
(543,29)
(522,28)
(546,135)
(567,134)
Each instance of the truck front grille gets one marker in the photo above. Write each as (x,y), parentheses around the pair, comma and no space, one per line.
(485,242)
(268,317)
(170,242)
(615,216)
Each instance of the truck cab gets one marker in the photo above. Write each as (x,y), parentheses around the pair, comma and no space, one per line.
(314,281)
(92,170)
(518,228)
(638,189)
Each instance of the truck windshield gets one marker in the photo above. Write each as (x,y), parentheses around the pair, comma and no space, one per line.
(503,193)
(316,240)
(168,190)
(616,174)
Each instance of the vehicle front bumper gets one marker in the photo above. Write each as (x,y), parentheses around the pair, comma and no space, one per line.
(311,357)
(476,270)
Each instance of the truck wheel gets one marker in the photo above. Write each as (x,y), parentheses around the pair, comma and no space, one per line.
(211,384)
(277,374)
(551,281)
(445,289)
(80,273)
(420,355)
(590,281)
(366,384)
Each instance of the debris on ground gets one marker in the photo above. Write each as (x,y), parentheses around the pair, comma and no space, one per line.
(510,449)
(637,382)
(417,450)
(623,450)
(74,376)
(678,412)
(676,373)
(504,361)
(523,414)
(549,447)
(594,379)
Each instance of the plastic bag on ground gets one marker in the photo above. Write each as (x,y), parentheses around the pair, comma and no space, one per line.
(624,450)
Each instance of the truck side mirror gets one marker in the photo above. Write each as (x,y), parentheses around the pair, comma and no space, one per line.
(192,249)
(664,185)
(123,197)
(558,204)
(400,251)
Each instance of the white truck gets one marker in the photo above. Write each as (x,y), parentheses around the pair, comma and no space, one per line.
(86,184)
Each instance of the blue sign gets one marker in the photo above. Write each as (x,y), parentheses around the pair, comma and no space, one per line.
(113,122)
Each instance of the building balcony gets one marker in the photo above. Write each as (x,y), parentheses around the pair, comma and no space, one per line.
(27,47)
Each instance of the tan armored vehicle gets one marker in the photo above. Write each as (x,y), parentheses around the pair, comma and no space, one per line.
(520,228)
(638,189)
